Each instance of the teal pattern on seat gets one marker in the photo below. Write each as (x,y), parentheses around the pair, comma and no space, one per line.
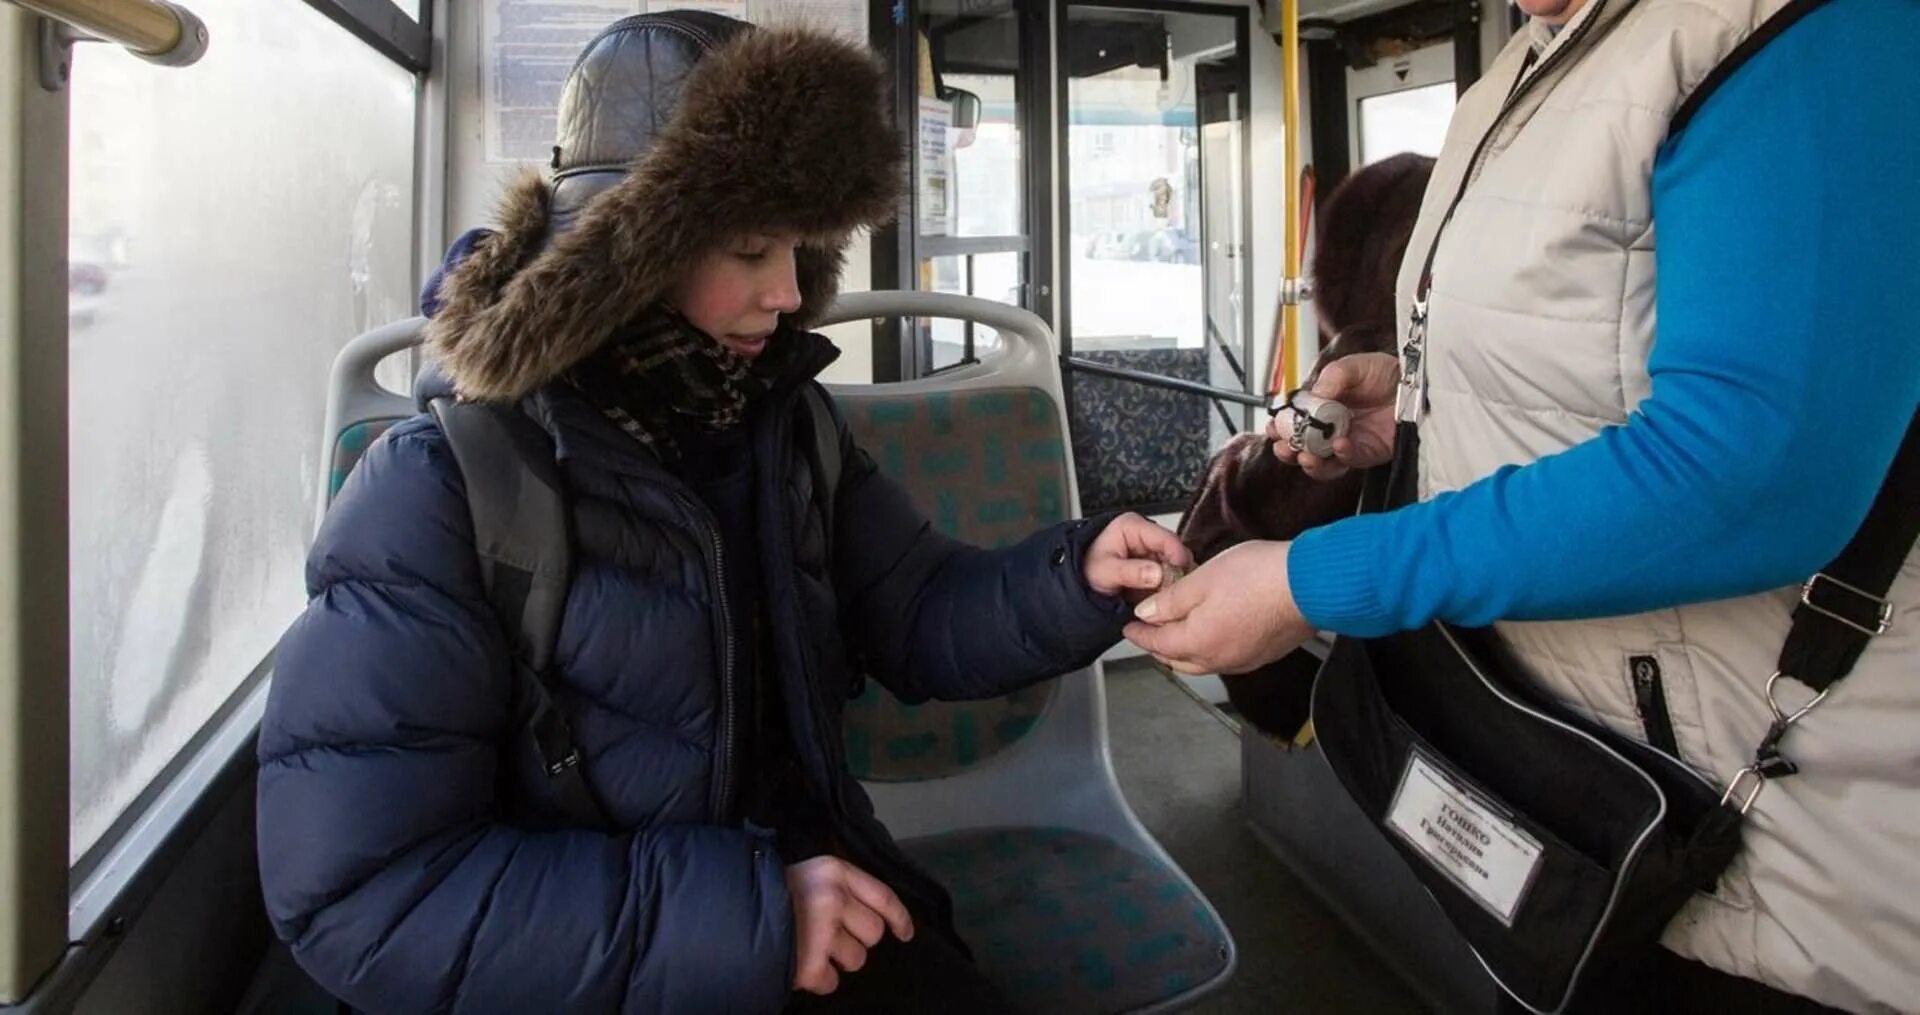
(1064,921)
(988,466)
(352,446)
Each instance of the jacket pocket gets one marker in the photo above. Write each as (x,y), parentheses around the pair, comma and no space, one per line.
(1649,686)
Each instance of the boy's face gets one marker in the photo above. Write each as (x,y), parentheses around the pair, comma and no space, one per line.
(737,292)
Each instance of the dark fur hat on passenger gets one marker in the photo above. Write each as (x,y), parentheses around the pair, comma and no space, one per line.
(679,132)
(1364,228)
(1246,493)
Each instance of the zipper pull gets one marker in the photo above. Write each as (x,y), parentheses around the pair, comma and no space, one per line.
(1411,399)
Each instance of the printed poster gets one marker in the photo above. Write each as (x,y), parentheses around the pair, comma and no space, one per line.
(530,45)
(936,177)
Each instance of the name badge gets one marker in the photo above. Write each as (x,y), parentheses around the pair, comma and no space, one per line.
(1455,829)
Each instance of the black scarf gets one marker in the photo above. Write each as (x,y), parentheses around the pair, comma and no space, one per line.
(660,375)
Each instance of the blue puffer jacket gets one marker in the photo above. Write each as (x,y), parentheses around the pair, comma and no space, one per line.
(409,869)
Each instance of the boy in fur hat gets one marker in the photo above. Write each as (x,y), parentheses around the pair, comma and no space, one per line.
(647,309)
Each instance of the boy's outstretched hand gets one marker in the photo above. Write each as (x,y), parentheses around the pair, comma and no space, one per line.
(1132,557)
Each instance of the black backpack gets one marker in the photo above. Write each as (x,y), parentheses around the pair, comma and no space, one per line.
(520,534)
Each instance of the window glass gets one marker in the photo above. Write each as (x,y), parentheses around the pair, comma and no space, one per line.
(969,119)
(993,276)
(233,224)
(1413,120)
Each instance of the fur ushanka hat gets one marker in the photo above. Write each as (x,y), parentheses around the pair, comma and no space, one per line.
(678,132)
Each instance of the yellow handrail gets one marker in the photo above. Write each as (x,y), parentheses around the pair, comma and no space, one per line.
(1290,171)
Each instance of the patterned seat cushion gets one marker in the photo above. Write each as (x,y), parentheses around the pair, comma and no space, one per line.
(1138,446)
(352,446)
(1064,921)
(988,466)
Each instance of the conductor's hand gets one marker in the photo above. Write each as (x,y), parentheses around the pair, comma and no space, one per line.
(1366,384)
(1234,615)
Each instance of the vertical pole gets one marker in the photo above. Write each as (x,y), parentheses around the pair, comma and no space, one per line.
(33,510)
(1286,369)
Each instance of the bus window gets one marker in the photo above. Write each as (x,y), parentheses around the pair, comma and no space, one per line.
(233,225)
(1400,104)
(1414,120)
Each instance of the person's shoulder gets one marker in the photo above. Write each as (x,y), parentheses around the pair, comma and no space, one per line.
(1807,52)
(401,513)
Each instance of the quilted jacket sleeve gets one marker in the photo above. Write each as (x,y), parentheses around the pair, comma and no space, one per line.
(936,618)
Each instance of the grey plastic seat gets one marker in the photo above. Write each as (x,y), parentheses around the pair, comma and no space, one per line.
(359,410)
(1012,803)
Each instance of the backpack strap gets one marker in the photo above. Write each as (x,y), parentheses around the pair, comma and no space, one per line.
(826,450)
(518,505)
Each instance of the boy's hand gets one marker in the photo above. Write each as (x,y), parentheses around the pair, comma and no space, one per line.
(839,912)
(1132,557)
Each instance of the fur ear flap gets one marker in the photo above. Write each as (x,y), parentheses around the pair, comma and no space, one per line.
(818,272)
(459,334)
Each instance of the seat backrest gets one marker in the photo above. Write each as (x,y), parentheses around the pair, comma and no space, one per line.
(359,410)
(1140,447)
(983,450)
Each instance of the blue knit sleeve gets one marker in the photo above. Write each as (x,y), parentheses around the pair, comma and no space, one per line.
(1785,370)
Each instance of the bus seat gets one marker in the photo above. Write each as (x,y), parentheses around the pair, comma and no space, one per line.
(359,410)
(1012,803)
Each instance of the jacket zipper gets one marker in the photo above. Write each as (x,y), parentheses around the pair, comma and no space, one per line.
(722,800)
(1650,695)
(1412,396)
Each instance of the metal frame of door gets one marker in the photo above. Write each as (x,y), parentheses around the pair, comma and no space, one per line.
(1062,321)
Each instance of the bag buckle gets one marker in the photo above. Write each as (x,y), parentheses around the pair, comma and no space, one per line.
(1884,612)
(1781,717)
(1759,783)
(1768,762)
(571,760)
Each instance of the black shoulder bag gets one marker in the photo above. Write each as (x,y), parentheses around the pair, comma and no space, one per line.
(1559,849)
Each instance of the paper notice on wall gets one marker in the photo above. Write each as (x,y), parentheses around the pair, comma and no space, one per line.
(735,9)
(846,17)
(936,177)
(530,46)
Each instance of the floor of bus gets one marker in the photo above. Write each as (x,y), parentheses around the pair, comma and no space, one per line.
(1178,760)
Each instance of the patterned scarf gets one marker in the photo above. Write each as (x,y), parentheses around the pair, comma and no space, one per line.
(660,375)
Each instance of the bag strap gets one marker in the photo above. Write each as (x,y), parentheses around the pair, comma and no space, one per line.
(519,511)
(1842,608)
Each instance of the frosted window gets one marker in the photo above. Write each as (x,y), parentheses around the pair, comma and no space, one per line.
(234,223)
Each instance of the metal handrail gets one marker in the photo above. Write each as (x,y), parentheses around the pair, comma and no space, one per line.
(1163,381)
(153,30)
